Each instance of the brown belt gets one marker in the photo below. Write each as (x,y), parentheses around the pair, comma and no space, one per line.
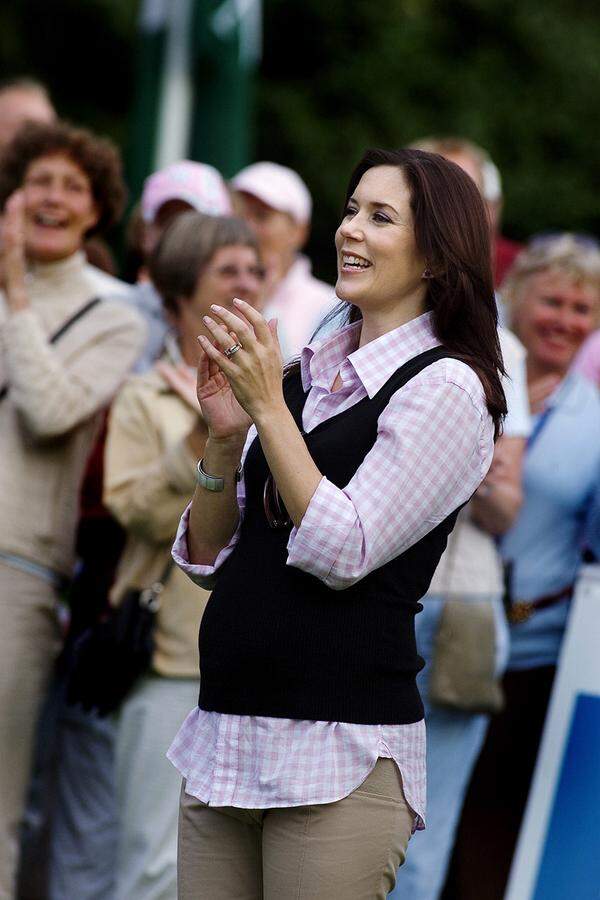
(522,610)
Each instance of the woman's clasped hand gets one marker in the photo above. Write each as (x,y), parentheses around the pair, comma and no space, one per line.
(246,385)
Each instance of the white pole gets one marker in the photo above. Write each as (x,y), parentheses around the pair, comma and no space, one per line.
(176,91)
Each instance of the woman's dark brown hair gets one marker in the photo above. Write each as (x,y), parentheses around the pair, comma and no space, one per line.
(97,157)
(452,234)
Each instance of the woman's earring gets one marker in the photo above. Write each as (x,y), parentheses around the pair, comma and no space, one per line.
(427,274)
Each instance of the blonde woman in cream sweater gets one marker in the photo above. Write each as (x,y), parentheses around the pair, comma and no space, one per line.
(57,186)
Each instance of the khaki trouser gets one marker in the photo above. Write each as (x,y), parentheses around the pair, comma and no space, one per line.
(29,641)
(350,848)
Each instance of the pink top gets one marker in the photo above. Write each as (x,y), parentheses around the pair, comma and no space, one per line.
(587,361)
(299,302)
(434,447)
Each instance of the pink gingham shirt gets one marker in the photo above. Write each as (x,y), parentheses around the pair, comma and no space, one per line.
(434,447)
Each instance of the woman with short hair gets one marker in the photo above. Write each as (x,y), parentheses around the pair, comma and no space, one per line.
(156,434)
(304,763)
(65,349)
(554,294)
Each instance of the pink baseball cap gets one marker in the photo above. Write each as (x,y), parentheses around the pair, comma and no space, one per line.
(278,187)
(196,183)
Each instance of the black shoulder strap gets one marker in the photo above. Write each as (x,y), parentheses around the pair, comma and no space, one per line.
(411,368)
(294,393)
(78,314)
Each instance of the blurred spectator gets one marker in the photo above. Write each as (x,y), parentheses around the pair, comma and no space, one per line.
(277,205)
(156,437)
(471,569)
(27,100)
(554,295)
(84,833)
(57,185)
(22,100)
(178,188)
(477,163)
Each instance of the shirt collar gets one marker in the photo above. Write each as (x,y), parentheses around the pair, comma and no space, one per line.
(375,362)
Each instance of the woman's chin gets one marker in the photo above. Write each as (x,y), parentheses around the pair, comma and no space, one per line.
(48,252)
(345,292)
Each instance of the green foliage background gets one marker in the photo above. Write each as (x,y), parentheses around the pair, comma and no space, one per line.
(521,78)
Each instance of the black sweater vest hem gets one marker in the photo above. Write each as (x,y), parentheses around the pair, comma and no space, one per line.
(317,709)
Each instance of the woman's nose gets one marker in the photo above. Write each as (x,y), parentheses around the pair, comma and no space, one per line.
(53,194)
(247,285)
(351,228)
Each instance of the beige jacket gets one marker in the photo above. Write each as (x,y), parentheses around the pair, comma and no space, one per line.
(149,478)
(49,419)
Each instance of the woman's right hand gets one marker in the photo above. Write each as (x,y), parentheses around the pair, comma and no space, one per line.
(223,415)
(12,243)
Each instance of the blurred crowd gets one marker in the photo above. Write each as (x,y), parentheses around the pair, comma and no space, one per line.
(101,431)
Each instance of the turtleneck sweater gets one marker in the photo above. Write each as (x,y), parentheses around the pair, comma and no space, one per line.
(56,393)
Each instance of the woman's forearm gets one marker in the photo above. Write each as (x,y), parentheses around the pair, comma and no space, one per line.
(496,507)
(214,515)
(291,465)
(497,503)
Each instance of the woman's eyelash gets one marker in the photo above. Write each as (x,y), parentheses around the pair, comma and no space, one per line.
(378,216)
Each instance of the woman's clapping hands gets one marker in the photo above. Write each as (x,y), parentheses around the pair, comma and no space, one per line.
(244,387)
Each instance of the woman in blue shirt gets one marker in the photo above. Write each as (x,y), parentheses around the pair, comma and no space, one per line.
(554,294)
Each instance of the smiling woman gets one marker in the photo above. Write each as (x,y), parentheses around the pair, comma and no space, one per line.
(57,185)
(304,763)
(553,290)
(59,207)
(378,259)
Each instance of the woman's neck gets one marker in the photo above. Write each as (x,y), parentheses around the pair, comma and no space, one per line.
(537,370)
(74,260)
(375,323)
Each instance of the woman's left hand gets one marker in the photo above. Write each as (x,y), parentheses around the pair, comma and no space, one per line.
(254,371)
(182,381)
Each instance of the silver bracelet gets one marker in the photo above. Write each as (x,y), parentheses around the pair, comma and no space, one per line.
(209,482)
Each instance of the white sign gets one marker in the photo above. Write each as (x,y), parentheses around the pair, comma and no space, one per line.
(558,854)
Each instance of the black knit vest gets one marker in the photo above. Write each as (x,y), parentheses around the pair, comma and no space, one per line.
(276,641)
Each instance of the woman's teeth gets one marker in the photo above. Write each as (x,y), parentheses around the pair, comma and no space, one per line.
(49,220)
(355,261)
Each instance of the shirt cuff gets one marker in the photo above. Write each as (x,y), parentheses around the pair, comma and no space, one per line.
(204,576)
(180,467)
(315,546)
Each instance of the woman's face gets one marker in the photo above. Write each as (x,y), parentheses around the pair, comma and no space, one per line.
(553,317)
(379,266)
(234,271)
(59,207)
(278,236)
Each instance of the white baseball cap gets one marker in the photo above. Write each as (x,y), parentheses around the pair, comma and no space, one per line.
(278,187)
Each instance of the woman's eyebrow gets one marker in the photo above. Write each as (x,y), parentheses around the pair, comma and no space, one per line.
(381,205)
(377,204)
